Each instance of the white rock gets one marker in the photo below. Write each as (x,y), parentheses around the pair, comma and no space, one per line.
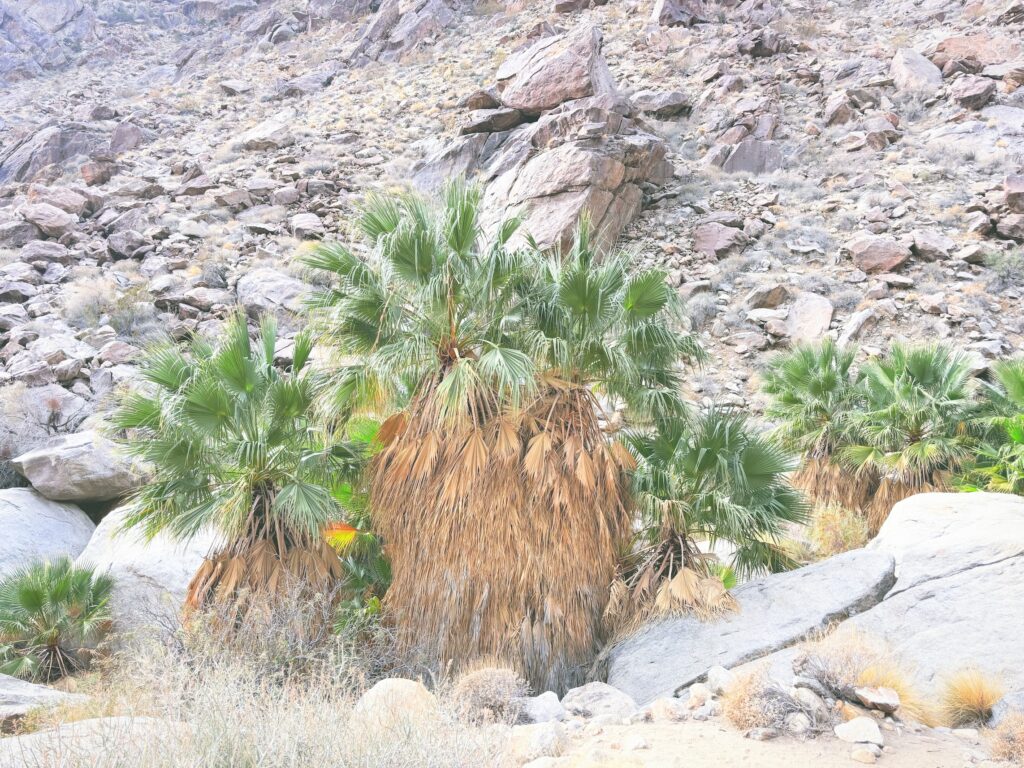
(151,577)
(33,528)
(393,705)
(82,467)
(543,708)
(913,72)
(860,730)
(594,699)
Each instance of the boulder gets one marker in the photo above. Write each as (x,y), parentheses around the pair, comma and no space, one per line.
(755,156)
(267,290)
(931,246)
(543,708)
(393,705)
(668,655)
(973,92)
(877,254)
(662,105)
(51,145)
(50,219)
(597,699)
(860,730)
(135,740)
(1013,192)
(84,467)
(956,556)
(809,318)
(911,71)
(273,133)
(554,70)
(717,240)
(35,528)
(399,27)
(673,13)
(151,576)
(18,697)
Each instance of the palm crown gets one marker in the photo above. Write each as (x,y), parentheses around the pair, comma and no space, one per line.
(234,450)
(47,612)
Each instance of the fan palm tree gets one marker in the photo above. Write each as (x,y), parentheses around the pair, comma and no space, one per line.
(813,390)
(233,449)
(999,464)
(48,611)
(500,501)
(698,484)
(915,428)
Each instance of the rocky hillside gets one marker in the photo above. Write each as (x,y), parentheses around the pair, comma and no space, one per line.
(798,167)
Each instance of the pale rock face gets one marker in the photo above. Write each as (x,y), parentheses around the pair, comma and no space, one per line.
(18,697)
(775,612)
(84,467)
(913,72)
(35,529)
(393,705)
(597,699)
(555,70)
(151,576)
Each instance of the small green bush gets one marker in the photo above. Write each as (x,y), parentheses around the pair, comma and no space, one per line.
(48,612)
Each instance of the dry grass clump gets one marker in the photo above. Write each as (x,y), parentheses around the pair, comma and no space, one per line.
(490,695)
(755,701)
(1007,740)
(835,529)
(200,702)
(842,662)
(968,698)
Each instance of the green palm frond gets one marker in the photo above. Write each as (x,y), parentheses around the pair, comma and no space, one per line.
(48,612)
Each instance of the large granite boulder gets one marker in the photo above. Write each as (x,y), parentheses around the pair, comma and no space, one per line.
(151,576)
(911,71)
(17,697)
(83,467)
(134,741)
(33,528)
(775,612)
(554,70)
(960,570)
(51,145)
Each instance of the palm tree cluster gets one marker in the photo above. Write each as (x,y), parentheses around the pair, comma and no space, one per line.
(499,373)
(48,612)
(495,435)
(916,419)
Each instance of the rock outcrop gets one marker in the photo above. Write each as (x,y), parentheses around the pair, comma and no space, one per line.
(18,697)
(585,154)
(83,467)
(151,576)
(33,528)
(939,604)
(773,613)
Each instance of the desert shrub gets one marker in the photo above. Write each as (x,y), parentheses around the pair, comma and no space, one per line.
(490,695)
(755,701)
(844,661)
(48,613)
(701,308)
(225,700)
(1007,269)
(835,530)
(91,302)
(1007,740)
(968,697)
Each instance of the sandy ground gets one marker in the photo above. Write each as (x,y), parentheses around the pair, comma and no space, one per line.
(715,743)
